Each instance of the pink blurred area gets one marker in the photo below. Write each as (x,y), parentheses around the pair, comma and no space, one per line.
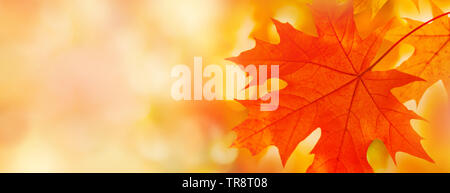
(85,85)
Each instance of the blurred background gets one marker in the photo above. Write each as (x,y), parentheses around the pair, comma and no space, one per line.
(85,86)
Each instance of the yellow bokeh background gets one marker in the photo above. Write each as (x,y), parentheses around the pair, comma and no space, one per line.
(85,86)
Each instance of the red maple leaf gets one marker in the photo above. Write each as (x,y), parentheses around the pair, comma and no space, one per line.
(331,86)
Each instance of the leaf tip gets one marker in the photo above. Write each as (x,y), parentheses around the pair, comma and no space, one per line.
(232,59)
(275,21)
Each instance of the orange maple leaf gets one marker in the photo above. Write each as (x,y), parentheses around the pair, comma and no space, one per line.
(431,57)
(331,86)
